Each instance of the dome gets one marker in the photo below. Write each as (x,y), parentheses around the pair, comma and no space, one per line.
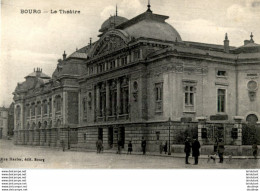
(153,29)
(110,22)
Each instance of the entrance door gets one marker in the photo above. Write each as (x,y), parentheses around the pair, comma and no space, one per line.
(100,133)
(110,136)
(121,135)
(251,131)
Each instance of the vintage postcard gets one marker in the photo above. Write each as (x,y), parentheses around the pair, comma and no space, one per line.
(131,84)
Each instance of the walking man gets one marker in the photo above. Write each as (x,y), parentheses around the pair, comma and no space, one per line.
(99,145)
(143,145)
(254,149)
(187,149)
(221,149)
(196,150)
(130,147)
(119,146)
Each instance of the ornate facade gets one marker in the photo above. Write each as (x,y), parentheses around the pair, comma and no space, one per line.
(136,76)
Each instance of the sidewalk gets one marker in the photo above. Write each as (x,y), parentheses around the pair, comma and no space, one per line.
(174,155)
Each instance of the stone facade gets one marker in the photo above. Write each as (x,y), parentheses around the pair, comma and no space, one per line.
(3,123)
(132,80)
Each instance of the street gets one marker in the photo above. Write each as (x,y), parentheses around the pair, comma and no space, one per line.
(12,156)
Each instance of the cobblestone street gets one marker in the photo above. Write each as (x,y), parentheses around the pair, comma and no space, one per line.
(13,156)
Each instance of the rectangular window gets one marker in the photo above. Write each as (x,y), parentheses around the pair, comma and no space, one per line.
(157,135)
(221,100)
(85,137)
(33,110)
(158,97)
(189,95)
(221,73)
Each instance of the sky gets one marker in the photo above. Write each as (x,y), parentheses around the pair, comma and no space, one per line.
(29,41)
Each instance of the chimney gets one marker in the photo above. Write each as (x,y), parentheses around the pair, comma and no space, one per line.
(226,44)
(64,55)
(90,42)
(38,72)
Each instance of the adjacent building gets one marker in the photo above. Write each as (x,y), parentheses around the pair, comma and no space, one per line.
(3,123)
(141,79)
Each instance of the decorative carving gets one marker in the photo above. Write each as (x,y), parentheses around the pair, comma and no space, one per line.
(252,87)
(109,43)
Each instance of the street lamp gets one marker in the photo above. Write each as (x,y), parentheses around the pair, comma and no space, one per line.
(169,150)
(68,137)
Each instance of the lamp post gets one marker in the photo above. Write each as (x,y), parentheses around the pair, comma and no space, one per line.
(68,137)
(169,150)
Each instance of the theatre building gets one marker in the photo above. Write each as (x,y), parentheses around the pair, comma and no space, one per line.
(141,79)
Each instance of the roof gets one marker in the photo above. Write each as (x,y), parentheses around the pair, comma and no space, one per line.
(150,25)
(112,21)
(153,29)
(79,55)
(41,75)
(250,47)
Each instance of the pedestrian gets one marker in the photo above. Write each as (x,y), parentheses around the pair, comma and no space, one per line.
(119,146)
(99,145)
(161,147)
(216,145)
(165,147)
(255,150)
(130,147)
(63,145)
(187,149)
(196,150)
(221,149)
(143,145)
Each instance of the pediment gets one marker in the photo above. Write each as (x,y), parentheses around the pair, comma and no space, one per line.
(109,42)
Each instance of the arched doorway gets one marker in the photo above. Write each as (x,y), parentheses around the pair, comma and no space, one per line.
(251,130)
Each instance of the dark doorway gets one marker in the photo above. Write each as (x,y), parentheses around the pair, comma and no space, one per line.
(100,133)
(121,135)
(110,136)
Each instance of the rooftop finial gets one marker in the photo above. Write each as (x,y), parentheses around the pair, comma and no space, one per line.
(64,55)
(149,7)
(251,36)
(90,42)
(116,10)
(226,37)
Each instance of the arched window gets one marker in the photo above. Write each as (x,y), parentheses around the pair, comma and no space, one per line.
(33,109)
(58,103)
(39,108)
(45,124)
(45,107)
(39,125)
(18,113)
(252,119)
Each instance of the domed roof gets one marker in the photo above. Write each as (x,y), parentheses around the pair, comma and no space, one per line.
(153,29)
(111,21)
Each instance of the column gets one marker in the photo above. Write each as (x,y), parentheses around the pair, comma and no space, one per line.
(201,124)
(97,101)
(141,54)
(238,125)
(107,100)
(118,97)
(22,116)
(79,108)
(53,110)
(116,62)
(63,108)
